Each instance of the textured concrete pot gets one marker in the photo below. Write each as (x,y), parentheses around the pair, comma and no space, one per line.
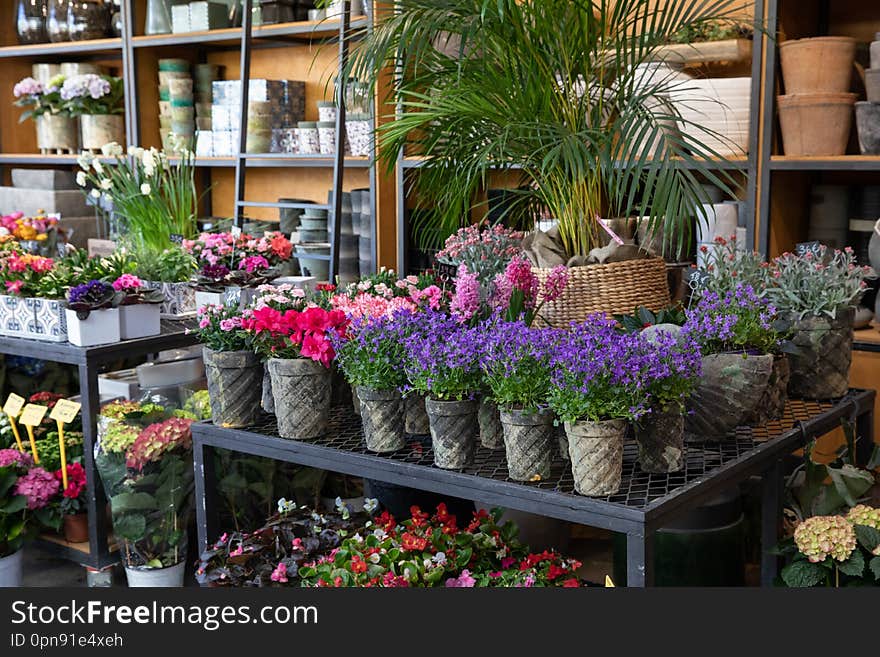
(800,115)
(596,450)
(728,392)
(821,369)
(528,443)
(57,134)
(491,432)
(301,389)
(772,405)
(416,415)
(267,401)
(661,442)
(382,416)
(100,129)
(868,125)
(816,65)
(235,387)
(454,432)
(10,570)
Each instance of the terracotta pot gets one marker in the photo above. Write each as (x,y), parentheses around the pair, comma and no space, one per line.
(868,124)
(100,129)
(800,115)
(76,528)
(820,64)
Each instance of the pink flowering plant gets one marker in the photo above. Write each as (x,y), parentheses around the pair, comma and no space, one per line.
(483,250)
(221,329)
(92,94)
(726,265)
(40,98)
(26,275)
(384,294)
(27,493)
(134,291)
(242,252)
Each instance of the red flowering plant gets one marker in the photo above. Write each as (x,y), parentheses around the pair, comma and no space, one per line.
(72,497)
(294,333)
(21,273)
(431,550)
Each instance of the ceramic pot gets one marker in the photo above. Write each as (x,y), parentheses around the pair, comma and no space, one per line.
(868,125)
(382,415)
(139,320)
(661,441)
(821,368)
(100,327)
(491,431)
(100,129)
(817,65)
(57,134)
(235,386)
(596,451)
(800,115)
(528,443)
(454,432)
(171,577)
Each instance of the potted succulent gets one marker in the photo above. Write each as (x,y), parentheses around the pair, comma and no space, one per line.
(443,363)
(92,314)
(145,464)
(234,371)
(599,385)
(370,355)
(98,101)
(139,308)
(26,493)
(299,352)
(57,130)
(517,368)
(76,521)
(816,293)
(738,340)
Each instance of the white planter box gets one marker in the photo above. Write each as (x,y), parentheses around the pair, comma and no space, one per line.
(209,298)
(101,327)
(139,320)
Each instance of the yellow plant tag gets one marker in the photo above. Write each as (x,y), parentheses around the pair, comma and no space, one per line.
(608,583)
(32,415)
(13,405)
(65,411)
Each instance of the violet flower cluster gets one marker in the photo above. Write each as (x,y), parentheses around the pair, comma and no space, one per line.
(86,85)
(738,320)
(444,357)
(372,352)
(94,294)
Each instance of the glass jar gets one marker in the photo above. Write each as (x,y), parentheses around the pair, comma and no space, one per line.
(30,21)
(87,19)
(56,21)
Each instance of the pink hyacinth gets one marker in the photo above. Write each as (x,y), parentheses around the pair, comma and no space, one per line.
(466,301)
(555,284)
(38,486)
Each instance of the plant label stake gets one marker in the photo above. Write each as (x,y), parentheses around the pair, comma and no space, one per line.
(12,408)
(63,413)
(31,417)
(608,230)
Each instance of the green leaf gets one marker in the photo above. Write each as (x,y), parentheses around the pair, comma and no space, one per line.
(7,480)
(874,565)
(803,574)
(130,527)
(128,502)
(16,504)
(854,566)
(869,538)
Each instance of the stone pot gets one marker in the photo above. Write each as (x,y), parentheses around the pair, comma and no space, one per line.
(100,129)
(11,569)
(235,387)
(800,115)
(382,416)
(301,389)
(491,432)
(729,390)
(76,528)
(868,125)
(660,437)
(596,450)
(872,84)
(821,369)
(528,443)
(416,416)
(817,65)
(57,134)
(267,401)
(171,577)
(771,406)
(454,432)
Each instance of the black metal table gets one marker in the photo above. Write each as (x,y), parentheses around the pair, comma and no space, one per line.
(89,360)
(645,502)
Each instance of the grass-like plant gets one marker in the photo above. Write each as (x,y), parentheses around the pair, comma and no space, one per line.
(548,89)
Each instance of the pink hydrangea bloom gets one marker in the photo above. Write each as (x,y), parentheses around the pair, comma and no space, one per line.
(38,486)
(10,456)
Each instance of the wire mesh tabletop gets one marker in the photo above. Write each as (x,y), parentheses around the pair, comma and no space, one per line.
(638,489)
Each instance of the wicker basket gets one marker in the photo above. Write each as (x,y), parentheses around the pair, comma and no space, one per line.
(614,289)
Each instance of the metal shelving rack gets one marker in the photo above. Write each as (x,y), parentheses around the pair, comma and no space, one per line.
(644,503)
(98,553)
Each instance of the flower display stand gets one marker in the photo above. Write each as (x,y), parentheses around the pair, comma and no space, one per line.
(644,504)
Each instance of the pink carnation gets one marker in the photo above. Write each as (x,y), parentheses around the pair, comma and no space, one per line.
(38,486)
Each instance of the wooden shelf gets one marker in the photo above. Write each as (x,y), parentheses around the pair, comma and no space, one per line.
(40,159)
(737,162)
(95,46)
(868,335)
(77,547)
(304,30)
(835,163)
(267,160)
(728,50)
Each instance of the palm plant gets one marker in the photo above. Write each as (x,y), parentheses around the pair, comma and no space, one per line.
(551,90)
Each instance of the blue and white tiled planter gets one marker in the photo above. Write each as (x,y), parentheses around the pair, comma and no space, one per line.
(180,299)
(33,318)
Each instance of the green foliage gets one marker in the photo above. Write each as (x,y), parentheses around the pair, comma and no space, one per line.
(802,573)
(642,318)
(171,265)
(711,30)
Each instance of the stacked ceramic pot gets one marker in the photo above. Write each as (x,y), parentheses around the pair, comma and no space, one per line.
(815,113)
(868,112)
(362,217)
(715,112)
(206,74)
(314,241)
(176,112)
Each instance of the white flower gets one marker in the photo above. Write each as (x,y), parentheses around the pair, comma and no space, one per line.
(95,193)
(146,189)
(374,558)
(379,533)
(149,171)
(439,558)
(285,506)
(358,538)
(371,504)
(135,151)
(106,184)
(98,167)
(81,179)
(85,161)
(112,149)
(148,159)
(4,232)
(342,508)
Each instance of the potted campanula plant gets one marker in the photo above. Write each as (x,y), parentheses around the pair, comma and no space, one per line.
(92,314)
(139,308)
(234,371)
(443,357)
